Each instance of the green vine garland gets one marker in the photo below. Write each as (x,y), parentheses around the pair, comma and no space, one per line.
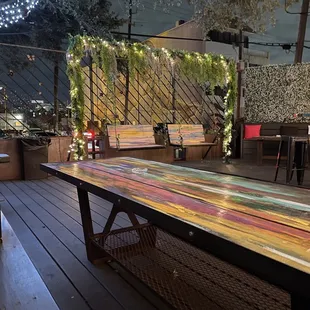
(76,77)
(137,60)
(200,68)
(230,101)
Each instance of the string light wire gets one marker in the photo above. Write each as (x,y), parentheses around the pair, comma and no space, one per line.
(274,44)
(271,44)
(13,11)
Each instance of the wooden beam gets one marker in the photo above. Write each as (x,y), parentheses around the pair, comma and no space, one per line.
(302,31)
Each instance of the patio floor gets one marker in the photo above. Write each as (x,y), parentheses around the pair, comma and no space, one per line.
(21,287)
(45,217)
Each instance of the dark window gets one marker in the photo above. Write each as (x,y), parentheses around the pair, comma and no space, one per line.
(227,38)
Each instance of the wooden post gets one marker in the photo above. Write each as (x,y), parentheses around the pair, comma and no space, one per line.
(173,99)
(56,103)
(139,119)
(302,31)
(127,71)
(91,94)
(238,114)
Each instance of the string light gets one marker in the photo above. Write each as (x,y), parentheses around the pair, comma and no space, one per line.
(77,147)
(223,72)
(15,11)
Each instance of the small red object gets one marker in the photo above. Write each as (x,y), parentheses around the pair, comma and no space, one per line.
(251,131)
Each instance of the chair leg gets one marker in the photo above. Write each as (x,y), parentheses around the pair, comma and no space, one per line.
(290,160)
(305,161)
(292,173)
(304,154)
(278,160)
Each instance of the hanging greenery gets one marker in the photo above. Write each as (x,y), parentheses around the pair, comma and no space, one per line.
(137,60)
(200,68)
(76,77)
(203,68)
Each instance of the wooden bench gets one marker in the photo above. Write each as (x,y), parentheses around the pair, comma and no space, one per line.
(190,137)
(136,141)
(266,145)
(194,248)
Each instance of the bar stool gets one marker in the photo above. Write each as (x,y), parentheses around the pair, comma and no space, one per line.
(297,151)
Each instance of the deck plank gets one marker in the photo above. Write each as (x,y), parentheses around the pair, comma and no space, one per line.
(101,206)
(121,221)
(21,287)
(104,207)
(63,291)
(71,191)
(122,291)
(99,214)
(60,200)
(49,212)
(88,286)
(98,206)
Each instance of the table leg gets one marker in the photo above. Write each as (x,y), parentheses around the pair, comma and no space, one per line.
(146,232)
(259,153)
(290,160)
(300,161)
(94,254)
(299,302)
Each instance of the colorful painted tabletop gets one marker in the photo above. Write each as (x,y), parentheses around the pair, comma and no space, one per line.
(270,219)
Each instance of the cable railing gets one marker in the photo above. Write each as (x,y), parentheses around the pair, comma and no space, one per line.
(39,89)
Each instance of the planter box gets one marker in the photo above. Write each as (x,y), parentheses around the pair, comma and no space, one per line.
(57,152)
(11,170)
(58,149)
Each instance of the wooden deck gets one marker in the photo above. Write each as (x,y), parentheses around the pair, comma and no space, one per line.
(21,287)
(46,219)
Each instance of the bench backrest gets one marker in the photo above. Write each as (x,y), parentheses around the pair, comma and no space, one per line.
(130,135)
(191,134)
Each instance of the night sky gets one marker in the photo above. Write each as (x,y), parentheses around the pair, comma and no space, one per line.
(149,22)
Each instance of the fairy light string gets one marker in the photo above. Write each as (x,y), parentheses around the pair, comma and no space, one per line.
(13,11)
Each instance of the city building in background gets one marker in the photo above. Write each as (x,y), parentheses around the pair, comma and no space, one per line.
(11,121)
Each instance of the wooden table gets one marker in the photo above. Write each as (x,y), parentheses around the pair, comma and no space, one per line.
(263,228)
(259,144)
